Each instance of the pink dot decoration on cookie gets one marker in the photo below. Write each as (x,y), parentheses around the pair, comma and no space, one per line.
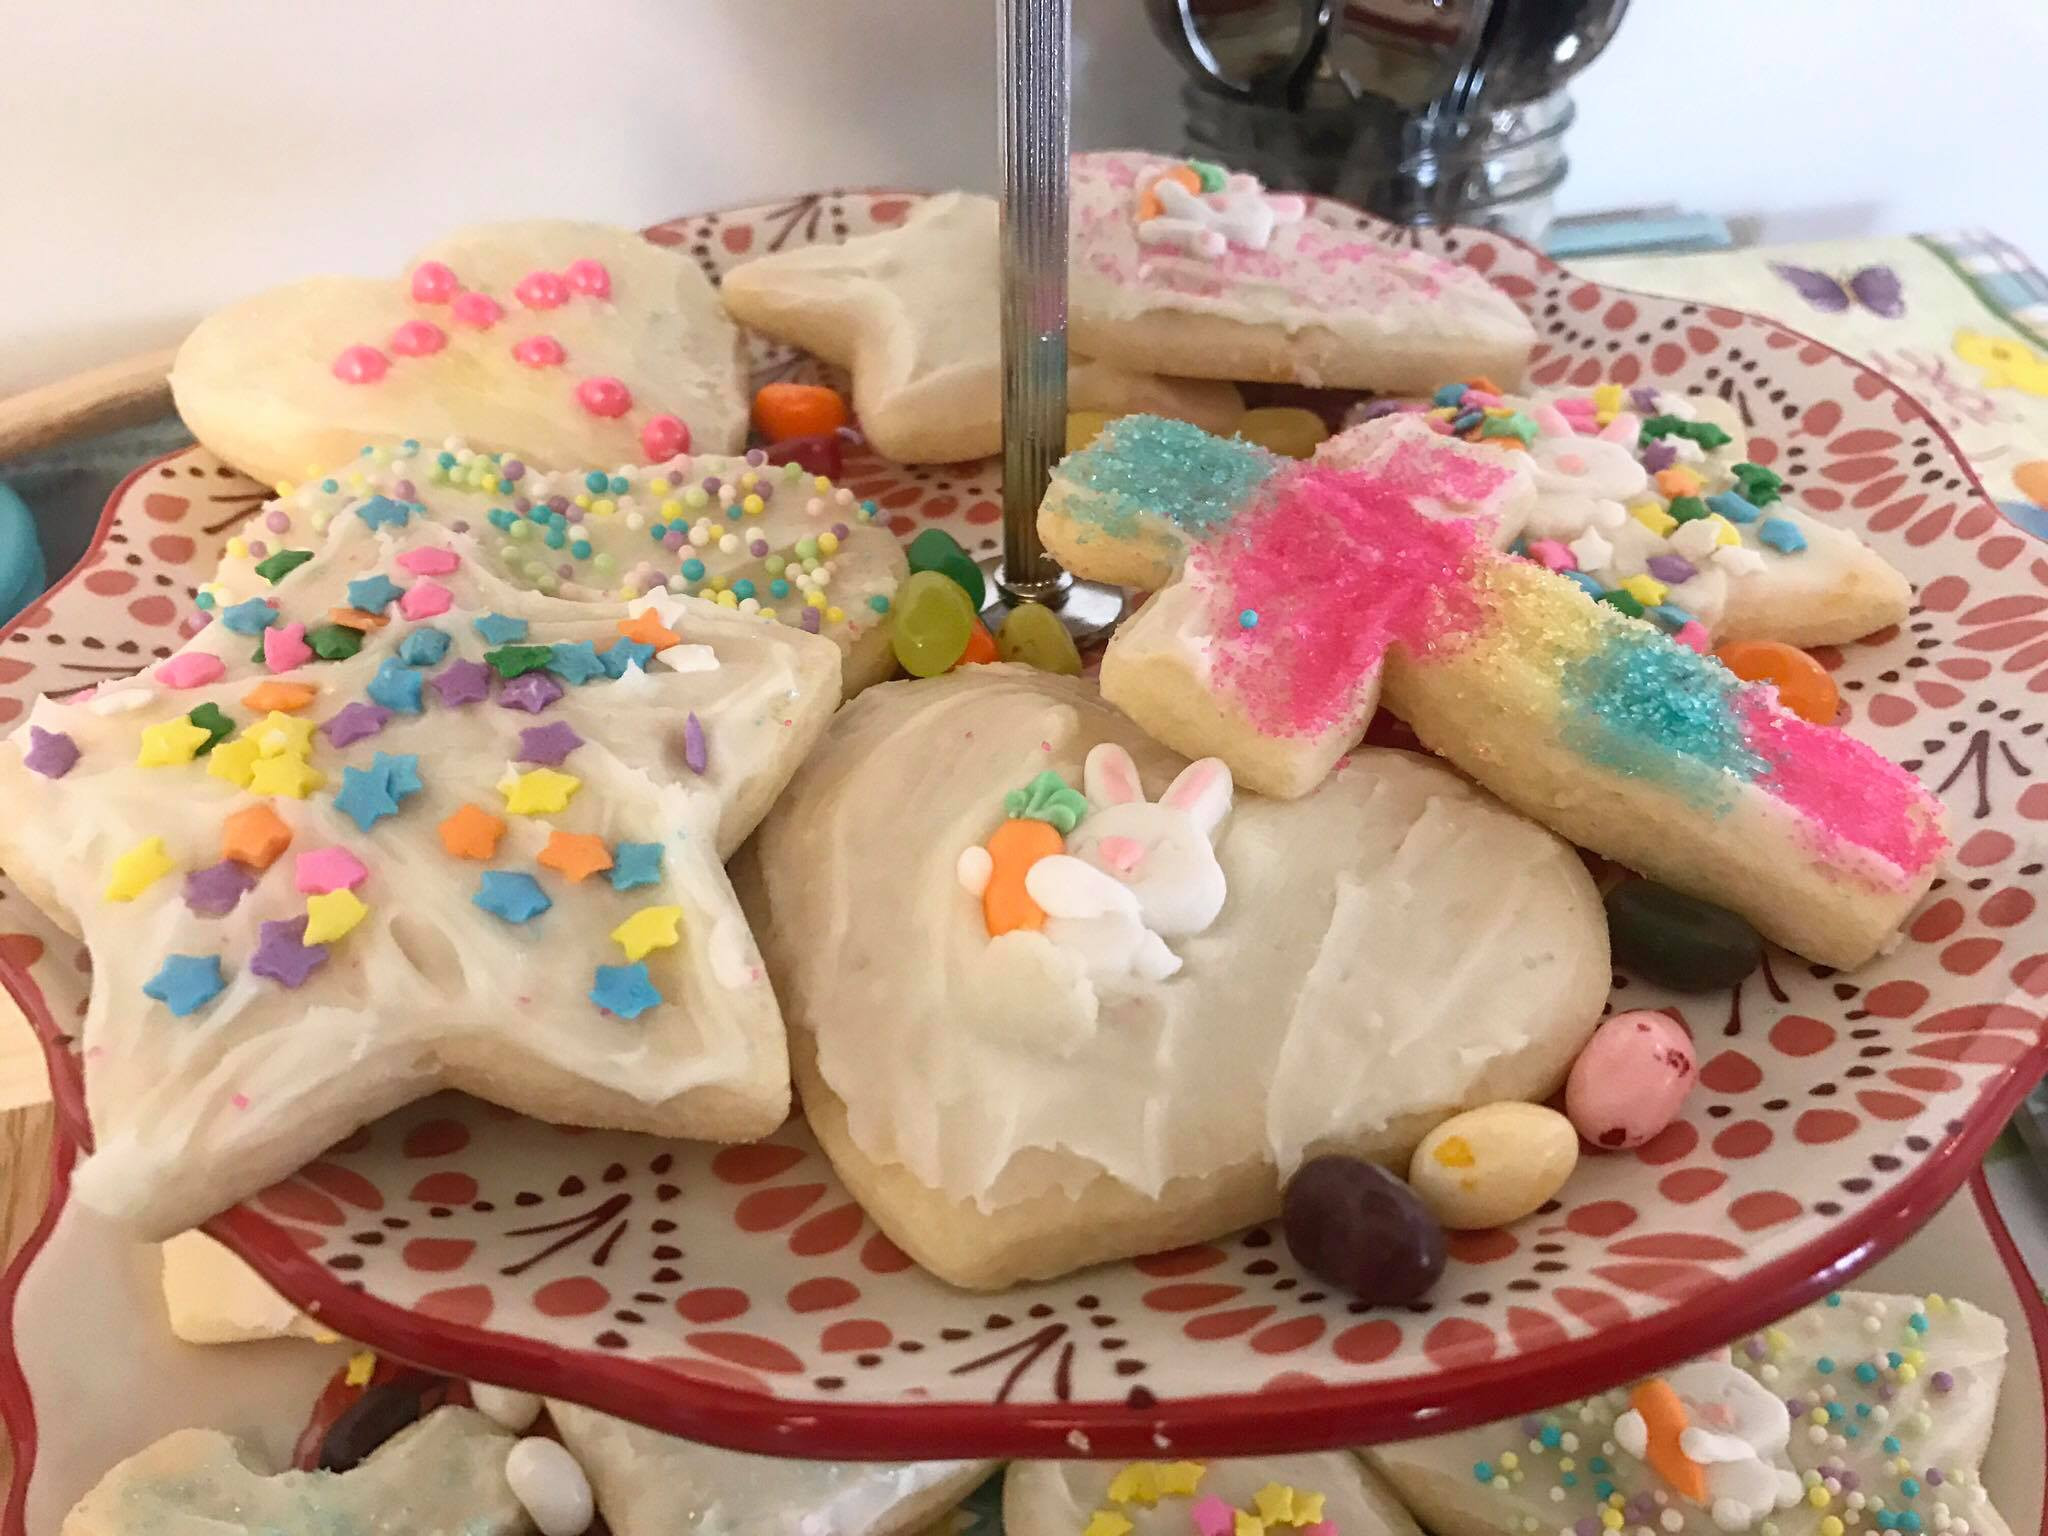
(539,352)
(434,282)
(589,277)
(664,437)
(478,311)
(361,365)
(418,338)
(542,290)
(606,397)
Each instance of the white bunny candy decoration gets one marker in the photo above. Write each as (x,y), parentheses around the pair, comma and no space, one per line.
(1160,852)
(1097,918)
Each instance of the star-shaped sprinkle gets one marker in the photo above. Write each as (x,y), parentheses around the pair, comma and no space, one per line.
(285,647)
(471,832)
(646,628)
(276,567)
(575,661)
(370,794)
(1107,1522)
(624,990)
(1180,1479)
(1591,550)
(331,914)
(636,864)
(548,744)
(426,600)
(530,691)
(255,835)
(335,642)
(647,930)
(510,661)
(291,777)
(234,761)
(1212,1517)
(50,753)
(374,593)
(401,771)
(218,889)
(283,956)
(497,629)
(1781,534)
(689,658)
(623,653)
(281,735)
(171,742)
(191,669)
(423,647)
(356,619)
(576,855)
(540,792)
(427,560)
(138,869)
(186,983)
(379,511)
(281,698)
(209,718)
(354,721)
(511,894)
(462,682)
(251,617)
(320,870)
(397,687)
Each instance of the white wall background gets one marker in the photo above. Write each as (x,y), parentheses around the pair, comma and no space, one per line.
(159,160)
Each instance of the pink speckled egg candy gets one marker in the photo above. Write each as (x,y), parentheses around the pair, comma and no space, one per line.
(1631,1080)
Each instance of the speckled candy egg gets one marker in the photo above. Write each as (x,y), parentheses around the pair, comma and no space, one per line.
(1494,1164)
(1631,1079)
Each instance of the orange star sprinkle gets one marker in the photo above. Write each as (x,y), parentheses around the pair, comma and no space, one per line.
(472,833)
(282,697)
(576,854)
(355,618)
(255,836)
(646,628)
(1678,481)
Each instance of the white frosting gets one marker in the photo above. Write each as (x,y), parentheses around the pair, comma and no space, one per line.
(1058,1498)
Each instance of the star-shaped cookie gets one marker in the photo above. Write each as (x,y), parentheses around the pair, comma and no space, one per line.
(329,858)
(912,311)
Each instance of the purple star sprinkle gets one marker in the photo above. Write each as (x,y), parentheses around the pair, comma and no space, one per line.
(693,744)
(281,956)
(50,753)
(216,890)
(548,744)
(462,682)
(1643,400)
(355,721)
(530,691)
(1671,569)
(1659,455)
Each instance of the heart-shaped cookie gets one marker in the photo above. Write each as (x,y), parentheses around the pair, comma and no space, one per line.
(559,342)
(1191,990)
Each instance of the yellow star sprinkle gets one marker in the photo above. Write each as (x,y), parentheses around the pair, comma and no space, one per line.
(284,776)
(1137,1483)
(1647,590)
(362,1365)
(1275,1504)
(234,761)
(138,869)
(1606,397)
(174,741)
(1107,1522)
(653,928)
(1181,1478)
(281,735)
(330,915)
(1653,517)
(541,792)
(1724,531)
(1248,1525)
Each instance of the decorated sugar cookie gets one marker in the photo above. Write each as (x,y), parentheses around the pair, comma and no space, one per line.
(771,541)
(559,342)
(912,312)
(1866,1413)
(1288,592)
(1065,1068)
(1182,267)
(472,831)
(1648,500)
(1327,1494)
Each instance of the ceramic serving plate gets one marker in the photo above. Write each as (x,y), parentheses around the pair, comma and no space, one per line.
(740,1296)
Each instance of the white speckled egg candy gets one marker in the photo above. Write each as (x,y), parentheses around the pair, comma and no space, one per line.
(1631,1080)
(1494,1164)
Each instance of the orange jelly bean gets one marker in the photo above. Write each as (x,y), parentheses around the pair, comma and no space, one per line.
(784,411)
(1803,684)
(981,647)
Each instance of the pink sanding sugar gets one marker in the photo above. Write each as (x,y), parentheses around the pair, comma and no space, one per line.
(1847,791)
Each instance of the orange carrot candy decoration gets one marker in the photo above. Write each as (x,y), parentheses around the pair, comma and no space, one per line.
(1041,814)
(1664,1420)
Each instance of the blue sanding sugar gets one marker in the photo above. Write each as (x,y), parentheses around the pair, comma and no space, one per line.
(1170,469)
(1648,708)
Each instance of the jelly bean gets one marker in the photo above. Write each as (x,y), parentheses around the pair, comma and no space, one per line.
(1803,684)
(1630,1080)
(1034,635)
(381,1412)
(981,647)
(783,411)
(550,1486)
(1494,1164)
(934,622)
(1678,941)
(824,454)
(515,1411)
(1355,1225)
(1083,427)
(937,550)
(1287,430)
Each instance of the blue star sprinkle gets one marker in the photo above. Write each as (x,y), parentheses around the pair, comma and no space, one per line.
(636,864)
(511,894)
(250,618)
(497,629)
(373,594)
(397,687)
(187,983)
(624,990)
(379,510)
(624,653)
(423,647)
(576,662)
(1782,534)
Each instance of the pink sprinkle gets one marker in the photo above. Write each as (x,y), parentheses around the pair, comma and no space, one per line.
(1624,429)
(1692,634)
(239,1100)
(1212,1517)
(1552,422)
(434,282)
(542,290)
(361,365)
(425,560)
(193,669)
(1845,790)
(321,870)
(591,277)
(418,338)
(606,397)
(425,599)
(663,438)
(478,311)
(538,352)
(1553,556)
(1320,1528)
(284,647)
